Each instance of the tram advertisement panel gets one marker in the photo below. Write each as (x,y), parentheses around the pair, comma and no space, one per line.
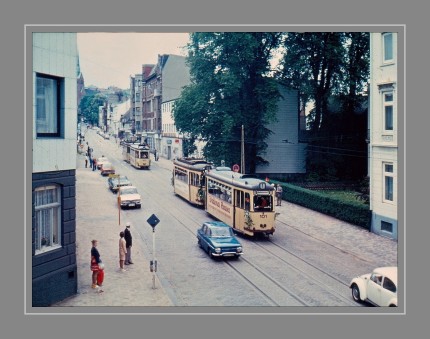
(220,209)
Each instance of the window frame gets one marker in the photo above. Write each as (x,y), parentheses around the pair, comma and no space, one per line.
(388,175)
(53,208)
(385,105)
(59,98)
(384,59)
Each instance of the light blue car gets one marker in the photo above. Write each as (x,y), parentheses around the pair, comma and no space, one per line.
(218,240)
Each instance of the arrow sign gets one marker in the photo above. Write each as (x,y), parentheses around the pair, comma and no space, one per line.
(153,221)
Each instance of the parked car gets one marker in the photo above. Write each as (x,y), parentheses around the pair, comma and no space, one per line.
(100,161)
(379,288)
(129,197)
(218,240)
(114,183)
(107,168)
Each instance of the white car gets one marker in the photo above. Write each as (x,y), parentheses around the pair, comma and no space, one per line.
(379,288)
(129,197)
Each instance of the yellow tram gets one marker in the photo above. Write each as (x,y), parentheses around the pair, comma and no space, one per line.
(241,201)
(136,154)
(188,179)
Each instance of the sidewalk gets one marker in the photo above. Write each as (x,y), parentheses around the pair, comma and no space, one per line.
(131,288)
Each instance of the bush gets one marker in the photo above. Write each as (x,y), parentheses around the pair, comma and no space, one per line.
(353,212)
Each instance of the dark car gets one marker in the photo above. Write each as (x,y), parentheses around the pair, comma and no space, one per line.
(218,240)
(115,183)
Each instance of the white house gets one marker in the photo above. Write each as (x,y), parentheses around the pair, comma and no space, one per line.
(383,128)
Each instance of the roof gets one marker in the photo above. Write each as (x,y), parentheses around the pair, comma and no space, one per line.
(247,181)
(390,272)
(216,224)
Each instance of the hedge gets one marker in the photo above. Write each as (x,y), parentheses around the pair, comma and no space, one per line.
(354,213)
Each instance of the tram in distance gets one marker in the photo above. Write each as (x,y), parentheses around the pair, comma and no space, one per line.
(188,179)
(136,154)
(242,201)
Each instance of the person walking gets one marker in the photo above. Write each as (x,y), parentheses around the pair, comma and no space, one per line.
(94,164)
(278,195)
(86,162)
(95,264)
(128,243)
(122,251)
(155,155)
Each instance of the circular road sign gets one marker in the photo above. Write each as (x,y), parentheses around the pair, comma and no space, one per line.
(236,168)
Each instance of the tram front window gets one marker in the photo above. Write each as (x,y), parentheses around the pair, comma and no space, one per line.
(263,203)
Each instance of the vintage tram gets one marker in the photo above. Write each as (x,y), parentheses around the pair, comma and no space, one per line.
(242,201)
(136,154)
(188,179)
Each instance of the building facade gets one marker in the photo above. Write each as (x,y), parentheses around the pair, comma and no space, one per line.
(285,154)
(53,248)
(383,127)
(175,75)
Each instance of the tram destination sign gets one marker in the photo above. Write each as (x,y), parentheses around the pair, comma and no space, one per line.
(261,192)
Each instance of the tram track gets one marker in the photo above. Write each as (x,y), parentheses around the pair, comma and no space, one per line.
(265,281)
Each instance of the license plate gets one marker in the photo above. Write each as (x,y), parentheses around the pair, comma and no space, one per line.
(132,205)
(228,255)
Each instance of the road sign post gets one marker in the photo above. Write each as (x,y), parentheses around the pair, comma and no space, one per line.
(153,221)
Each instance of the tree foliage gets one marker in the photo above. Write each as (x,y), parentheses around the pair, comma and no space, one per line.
(89,106)
(331,70)
(230,87)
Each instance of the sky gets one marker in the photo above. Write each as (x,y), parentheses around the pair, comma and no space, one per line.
(109,59)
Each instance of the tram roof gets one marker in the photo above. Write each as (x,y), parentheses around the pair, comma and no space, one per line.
(248,181)
(192,163)
(137,145)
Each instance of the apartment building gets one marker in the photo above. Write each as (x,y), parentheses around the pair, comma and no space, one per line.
(383,132)
(54,134)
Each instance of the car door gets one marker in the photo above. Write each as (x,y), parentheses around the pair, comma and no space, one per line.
(388,293)
(374,288)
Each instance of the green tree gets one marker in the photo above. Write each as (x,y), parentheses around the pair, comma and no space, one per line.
(331,69)
(230,87)
(89,106)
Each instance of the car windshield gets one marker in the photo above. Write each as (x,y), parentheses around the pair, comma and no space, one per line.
(131,190)
(121,180)
(220,232)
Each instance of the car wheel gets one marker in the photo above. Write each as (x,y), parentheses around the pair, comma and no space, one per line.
(199,243)
(355,293)
(210,252)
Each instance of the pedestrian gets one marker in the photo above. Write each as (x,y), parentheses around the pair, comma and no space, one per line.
(155,155)
(91,161)
(278,195)
(96,263)
(128,243)
(122,251)
(94,164)
(86,162)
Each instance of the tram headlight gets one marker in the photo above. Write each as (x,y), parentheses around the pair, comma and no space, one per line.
(218,250)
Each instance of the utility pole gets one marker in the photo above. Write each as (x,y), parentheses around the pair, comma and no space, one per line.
(242,157)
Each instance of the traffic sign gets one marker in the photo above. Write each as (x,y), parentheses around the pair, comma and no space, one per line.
(236,168)
(153,221)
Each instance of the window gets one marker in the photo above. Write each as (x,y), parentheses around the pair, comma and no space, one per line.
(388,110)
(388,182)
(48,106)
(386,226)
(47,206)
(389,285)
(387,39)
